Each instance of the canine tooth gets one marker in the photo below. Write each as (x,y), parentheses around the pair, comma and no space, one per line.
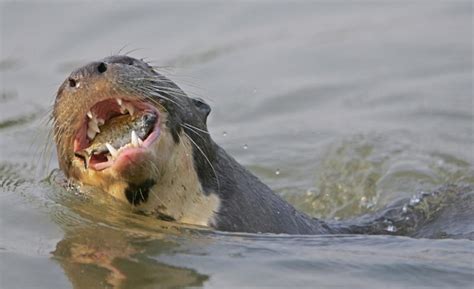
(112,150)
(90,133)
(94,126)
(134,139)
(100,121)
(130,108)
(119,101)
(109,157)
(89,114)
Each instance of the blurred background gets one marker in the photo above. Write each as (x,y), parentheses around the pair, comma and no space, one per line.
(341,107)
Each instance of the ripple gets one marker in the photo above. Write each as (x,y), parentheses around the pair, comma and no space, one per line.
(13,175)
(17,121)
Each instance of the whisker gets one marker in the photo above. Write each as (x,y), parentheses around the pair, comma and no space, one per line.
(207,159)
(133,50)
(120,50)
(194,131)
(196,128)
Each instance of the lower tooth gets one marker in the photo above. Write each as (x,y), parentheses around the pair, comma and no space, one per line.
(135,139)
(112,150)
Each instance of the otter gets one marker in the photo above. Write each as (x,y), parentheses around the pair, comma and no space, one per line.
(127,130)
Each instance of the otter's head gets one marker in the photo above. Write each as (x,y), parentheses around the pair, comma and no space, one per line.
(128,131)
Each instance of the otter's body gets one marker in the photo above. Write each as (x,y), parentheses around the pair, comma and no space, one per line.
(248,205)
(130,132)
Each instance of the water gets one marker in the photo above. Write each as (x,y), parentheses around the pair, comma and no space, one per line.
(342,108)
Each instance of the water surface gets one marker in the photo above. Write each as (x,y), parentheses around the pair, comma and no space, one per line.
(342,108)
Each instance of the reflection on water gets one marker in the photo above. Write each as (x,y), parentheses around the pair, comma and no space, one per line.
(356,105)
(101,257)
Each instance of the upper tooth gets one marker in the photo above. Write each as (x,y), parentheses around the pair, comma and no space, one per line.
(127,107)
(130,108)
(135,139)
(93,125)
(89,114)
(112,150)
(90,133)
(100,121)
(119,101)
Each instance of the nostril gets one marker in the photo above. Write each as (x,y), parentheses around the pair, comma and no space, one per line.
(72,82)
(102,67)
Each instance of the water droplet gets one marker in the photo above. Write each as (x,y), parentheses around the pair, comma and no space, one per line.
(391,228)
(370,204)
(246,146)
(414,200)
(277,172)
(405,208)
(224,133)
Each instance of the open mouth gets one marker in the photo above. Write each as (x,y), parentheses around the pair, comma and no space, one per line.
(112,127)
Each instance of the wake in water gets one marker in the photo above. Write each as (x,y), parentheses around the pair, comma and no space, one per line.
(444,213)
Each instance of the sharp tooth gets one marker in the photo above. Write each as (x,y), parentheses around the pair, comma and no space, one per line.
(109,157)
(135,139)
(119,101)
(88,159)
(89,114)
(100,121)
(112,150)
(93,126)
(140,142)
(130,108)
(90,133)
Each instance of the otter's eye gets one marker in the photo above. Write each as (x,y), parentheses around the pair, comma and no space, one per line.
(102,67)
(72,82)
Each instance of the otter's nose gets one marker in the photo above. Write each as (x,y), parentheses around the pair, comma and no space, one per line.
(89,70)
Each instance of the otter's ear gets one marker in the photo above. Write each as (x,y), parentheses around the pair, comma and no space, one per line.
(203,108)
